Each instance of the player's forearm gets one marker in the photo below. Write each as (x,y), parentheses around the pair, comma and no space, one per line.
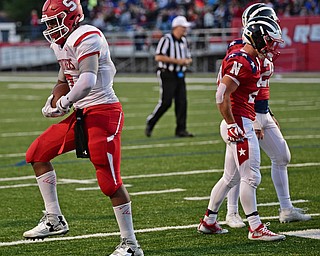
(81,88)
(225,110)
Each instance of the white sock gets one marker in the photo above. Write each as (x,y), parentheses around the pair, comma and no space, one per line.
(233,198)
(211,219)
(280,180)
(48,188)
(123,215)
(218,194)
(254,222)
(248,198)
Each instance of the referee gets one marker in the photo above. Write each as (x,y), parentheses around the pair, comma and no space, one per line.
(173,56)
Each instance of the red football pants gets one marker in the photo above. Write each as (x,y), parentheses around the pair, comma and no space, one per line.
(103,126)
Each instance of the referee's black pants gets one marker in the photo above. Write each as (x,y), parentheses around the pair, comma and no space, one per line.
(171,87)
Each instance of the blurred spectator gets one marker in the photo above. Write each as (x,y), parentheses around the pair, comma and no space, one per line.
(140,38)
(98,21)
(208,18)
(35,25)
(124,15)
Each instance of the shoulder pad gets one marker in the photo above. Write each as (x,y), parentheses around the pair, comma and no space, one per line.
(245,56)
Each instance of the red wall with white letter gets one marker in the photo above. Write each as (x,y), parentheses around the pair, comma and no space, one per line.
(301,50)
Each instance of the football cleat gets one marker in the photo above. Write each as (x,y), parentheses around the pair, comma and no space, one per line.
(264,234)
(128,247)
(293,214)
(234,220)
(205,228)
(49,225)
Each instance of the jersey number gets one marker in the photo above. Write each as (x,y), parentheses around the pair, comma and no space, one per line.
(71,4)
(235,68)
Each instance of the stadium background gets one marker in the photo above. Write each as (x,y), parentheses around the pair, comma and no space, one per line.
(133,28)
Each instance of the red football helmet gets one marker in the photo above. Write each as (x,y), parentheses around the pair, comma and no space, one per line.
(60,16)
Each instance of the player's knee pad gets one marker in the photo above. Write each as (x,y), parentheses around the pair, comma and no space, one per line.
(253,180)
(107,183)
(231,180)
(283,158)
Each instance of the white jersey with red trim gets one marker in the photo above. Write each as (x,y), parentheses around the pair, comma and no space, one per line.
(86,41)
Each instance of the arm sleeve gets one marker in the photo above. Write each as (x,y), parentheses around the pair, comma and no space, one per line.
(82,88)
(87,79)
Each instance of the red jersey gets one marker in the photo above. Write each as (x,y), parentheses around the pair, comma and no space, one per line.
(245,71)
(267,69)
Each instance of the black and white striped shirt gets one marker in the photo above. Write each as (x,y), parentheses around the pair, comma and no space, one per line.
(173,48)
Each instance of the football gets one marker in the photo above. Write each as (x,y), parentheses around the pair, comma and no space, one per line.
(58,91)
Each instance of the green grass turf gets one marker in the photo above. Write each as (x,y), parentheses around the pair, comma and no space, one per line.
(296,106)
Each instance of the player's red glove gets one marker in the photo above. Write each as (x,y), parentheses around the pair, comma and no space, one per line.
(235,133)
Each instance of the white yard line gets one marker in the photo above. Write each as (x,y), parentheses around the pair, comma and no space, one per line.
(157,192)
(151,175)
(99,235)
(98,188)
(145,146)
(308,233)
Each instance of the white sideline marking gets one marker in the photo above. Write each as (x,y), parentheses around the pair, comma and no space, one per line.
(261,204)
(179,144)
(146,146)
(173,190)
(36,133)
(19,186)
(91,181)
(146,230)
(309,233)
(18,178)
(98,188)
(157,192)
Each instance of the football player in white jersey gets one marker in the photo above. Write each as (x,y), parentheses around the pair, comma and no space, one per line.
(93,129)
(268,131)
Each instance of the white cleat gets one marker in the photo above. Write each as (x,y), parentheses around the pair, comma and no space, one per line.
(293,214)
(264,234)
(49,225)
(234,220)
(127,247)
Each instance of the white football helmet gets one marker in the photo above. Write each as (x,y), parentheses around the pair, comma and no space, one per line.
(264,34)
(258,9)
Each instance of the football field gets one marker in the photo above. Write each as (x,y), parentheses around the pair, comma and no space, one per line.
(169,179)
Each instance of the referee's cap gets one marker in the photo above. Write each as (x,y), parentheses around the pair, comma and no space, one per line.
(180,21)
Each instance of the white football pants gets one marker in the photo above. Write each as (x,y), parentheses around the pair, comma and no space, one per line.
(275,146)
(247,171)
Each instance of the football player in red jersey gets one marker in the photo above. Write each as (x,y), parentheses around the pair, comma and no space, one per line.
(268,131)
(238,86)
(93,129)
